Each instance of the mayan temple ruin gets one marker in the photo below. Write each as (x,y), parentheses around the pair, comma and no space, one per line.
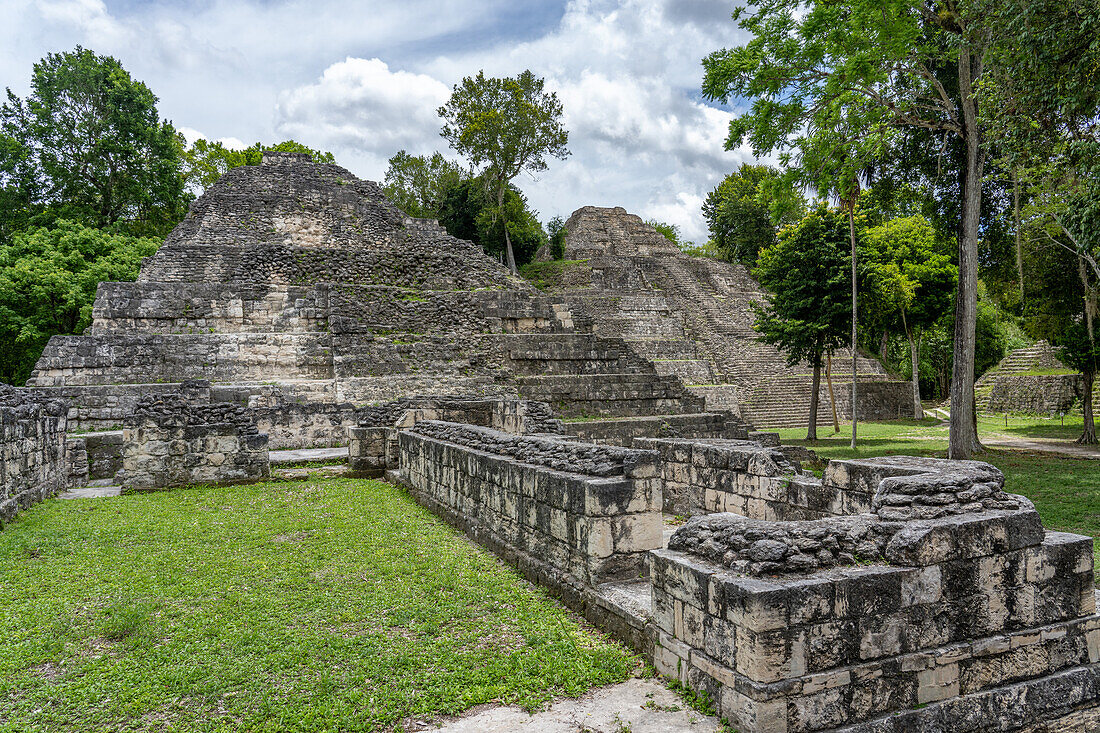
(599,434)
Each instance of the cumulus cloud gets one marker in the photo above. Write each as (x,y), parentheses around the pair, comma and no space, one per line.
(364,80)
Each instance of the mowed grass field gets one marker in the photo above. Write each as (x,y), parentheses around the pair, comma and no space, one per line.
(1065,490)
(333,605)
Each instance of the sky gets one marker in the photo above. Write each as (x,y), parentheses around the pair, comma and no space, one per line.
(364,79)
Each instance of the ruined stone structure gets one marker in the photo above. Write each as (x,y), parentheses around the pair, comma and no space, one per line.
(692,318)
(1014,386)
(297,290)
(895,594)
(183,439)
(34,453)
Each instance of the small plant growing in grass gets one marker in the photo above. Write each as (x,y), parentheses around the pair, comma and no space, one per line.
(121,620)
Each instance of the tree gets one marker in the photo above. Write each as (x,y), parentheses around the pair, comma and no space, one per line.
(504,127)
(890,59)
(48,281)
(417,183)
(911,281)
(88,144)
(555,231)
(468,212)
(1079,350)
(808,311)
(206,161)
(671,232)
(743,211)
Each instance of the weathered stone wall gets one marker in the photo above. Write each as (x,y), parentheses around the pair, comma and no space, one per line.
(1045,394)
(706,475)
(624,430)
(975,599)
(372,444)
(590,512)
(171,441)
(34,461)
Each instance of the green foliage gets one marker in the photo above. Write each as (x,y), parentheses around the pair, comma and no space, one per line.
(744,210)
(555,230)
(208,161)
(87,144)
(911,277)
(1077,350)
(469,212)
(504,127)
(807,270)
(48,280)
(671,232)
(312,606)
(549,275)
(418,183)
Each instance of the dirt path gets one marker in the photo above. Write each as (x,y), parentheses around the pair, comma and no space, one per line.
(1061,447)
(634,706)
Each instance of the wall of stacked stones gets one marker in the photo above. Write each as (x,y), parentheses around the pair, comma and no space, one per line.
(170,442)
(703,475)
(1041,394)
(373,446)
(583,511)
(971,602)
(33,453)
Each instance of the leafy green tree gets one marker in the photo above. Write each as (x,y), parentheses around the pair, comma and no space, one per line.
(555,230)
(863,69)
(417,183)
(207,161)
(88,144)
(911,282)
(744,210)
(808,311)
(1079,350)
(671,232)
(469,212)
(48,280)
(504,127)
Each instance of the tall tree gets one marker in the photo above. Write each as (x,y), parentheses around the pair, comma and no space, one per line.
(744,210)
(504,127)
(418,183)
(911,281)
(469,212)
(808,311)
(891,56)
(89,145)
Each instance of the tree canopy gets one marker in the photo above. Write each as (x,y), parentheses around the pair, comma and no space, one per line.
(206,161)
(417,184)
(48,280)
(504,127)
(469,212)
(744,210)
(89,144)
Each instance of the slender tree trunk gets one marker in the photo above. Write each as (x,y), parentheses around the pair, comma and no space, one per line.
(884,343)
(963,432)
(811,430)
(832,395)
(510,257)
(1088,437)
(1019,244)
(855,351)
(914,358)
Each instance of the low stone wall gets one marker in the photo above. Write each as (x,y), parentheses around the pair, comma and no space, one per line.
(975,600)
(33,452)
(1041,394)
(585,511)
(745,477)
(372,445)
(624,430)
(172,442)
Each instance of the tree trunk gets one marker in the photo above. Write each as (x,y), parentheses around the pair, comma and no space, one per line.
(855,351)
(811,431)
(1089,435)
(509,256)
(832,395)
(884,344)
(914,356)
(963,432)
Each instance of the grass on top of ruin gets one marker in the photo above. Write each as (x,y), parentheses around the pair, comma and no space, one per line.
(319,605)
(1065,489)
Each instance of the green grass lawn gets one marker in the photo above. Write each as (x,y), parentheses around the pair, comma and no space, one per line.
(319,605)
